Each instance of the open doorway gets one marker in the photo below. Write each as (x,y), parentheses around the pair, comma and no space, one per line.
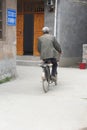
(28,34)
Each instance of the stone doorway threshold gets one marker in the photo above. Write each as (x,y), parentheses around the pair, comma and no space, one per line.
(27,60)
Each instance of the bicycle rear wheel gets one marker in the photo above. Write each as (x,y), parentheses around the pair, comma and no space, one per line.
(45,86)
(46,81)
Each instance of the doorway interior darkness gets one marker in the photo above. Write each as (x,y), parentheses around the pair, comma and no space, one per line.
(28,34)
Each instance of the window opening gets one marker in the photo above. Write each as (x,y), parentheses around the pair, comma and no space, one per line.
(30,6)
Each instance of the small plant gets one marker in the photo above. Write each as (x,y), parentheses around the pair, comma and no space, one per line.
(5,80)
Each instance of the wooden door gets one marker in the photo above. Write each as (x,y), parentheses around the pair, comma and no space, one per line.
(38,25)
(20,25)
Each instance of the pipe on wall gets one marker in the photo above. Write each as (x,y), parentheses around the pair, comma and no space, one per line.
(55,16)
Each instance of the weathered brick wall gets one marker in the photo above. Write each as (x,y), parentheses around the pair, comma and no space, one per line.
(8,45)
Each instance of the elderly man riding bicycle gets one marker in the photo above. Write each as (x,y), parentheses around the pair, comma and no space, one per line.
(49,50)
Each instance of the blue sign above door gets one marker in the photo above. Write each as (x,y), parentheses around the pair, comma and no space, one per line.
(11,17)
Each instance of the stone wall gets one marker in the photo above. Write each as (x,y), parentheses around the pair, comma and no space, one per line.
(71,29)
(8,44)
(49,19)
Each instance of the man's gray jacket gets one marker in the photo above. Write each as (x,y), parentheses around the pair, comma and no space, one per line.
(48,47)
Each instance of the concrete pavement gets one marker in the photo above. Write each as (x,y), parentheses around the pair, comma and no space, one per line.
(24,105)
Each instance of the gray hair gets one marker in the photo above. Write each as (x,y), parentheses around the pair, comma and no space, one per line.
(45,30)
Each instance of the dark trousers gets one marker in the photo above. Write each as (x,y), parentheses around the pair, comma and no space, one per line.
(54,66)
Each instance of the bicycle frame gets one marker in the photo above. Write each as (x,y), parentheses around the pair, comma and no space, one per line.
(46,76)
(46,71)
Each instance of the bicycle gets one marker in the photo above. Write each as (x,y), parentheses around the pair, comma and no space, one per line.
(46,76)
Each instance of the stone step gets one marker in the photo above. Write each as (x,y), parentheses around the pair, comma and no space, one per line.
(28,60)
